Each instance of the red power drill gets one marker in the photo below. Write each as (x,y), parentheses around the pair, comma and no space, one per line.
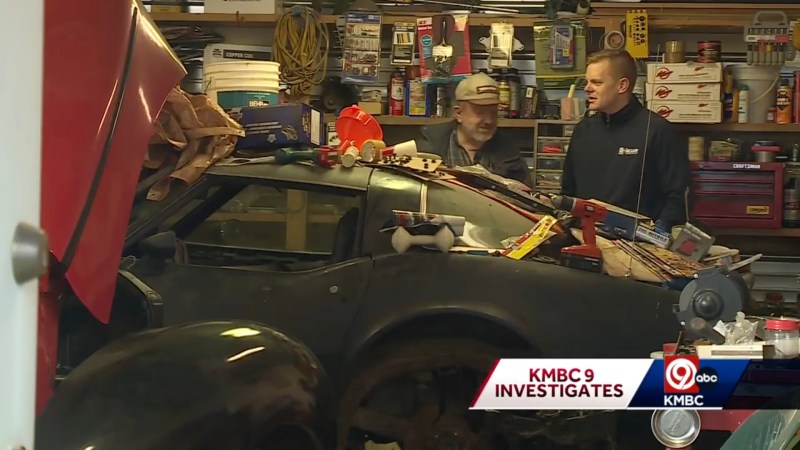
(588,255)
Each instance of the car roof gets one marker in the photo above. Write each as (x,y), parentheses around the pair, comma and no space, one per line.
(356,178)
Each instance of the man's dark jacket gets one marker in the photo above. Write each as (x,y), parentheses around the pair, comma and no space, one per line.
(604,162)
(499,155)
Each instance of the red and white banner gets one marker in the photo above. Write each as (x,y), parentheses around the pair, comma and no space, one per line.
(562,384)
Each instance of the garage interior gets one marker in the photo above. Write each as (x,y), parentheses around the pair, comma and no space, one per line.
(275,91)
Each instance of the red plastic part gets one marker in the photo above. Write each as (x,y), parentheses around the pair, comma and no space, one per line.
(354,126)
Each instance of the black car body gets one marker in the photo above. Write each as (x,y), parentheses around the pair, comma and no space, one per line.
(299,247)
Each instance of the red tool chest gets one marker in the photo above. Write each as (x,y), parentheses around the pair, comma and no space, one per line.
(738,194)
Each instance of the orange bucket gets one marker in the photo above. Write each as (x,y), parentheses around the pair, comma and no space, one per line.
(355,126)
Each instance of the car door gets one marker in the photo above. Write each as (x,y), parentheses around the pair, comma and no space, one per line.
(284,257)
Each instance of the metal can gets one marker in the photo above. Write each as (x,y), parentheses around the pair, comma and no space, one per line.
(791,195)
(504,90)
(709,51)
(441,101)
(676,428)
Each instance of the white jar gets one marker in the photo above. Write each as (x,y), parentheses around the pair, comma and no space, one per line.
(784,334)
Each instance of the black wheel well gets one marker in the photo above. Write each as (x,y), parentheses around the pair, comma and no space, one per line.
(81,334)
(451,326)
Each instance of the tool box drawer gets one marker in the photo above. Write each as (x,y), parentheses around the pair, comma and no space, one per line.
(737,194)
(548,162)
(759,207)
(548,180)
(553,145)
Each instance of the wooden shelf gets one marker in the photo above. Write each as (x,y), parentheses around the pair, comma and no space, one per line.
(742,127)
(530,123)
(388,18)
(760,232)
(721,17)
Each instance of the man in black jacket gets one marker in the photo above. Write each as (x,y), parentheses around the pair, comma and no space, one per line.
(473,138)
(625,154)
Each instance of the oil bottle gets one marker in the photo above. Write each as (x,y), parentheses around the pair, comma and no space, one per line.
(504,89)
(784,103)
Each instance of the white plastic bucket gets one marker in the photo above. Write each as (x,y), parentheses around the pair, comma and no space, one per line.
(762,83)
(246,83)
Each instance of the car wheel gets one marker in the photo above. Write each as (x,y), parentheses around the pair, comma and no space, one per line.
(418,394)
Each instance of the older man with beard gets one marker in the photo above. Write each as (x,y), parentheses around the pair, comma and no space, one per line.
(473,137)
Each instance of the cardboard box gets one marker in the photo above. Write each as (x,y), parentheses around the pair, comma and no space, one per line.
(225,52)
(692,92)
(278,126)
(240,6)
(688,112)
(690,72)
(621,222)
(373,108)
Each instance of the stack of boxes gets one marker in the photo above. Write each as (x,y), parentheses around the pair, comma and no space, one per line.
(685,92)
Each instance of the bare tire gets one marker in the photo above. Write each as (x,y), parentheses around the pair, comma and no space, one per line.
(430,371)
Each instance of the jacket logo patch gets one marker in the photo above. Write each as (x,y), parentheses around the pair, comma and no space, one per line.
(628,151)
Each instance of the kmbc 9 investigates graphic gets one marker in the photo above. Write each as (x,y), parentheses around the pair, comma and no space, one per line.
(676,382)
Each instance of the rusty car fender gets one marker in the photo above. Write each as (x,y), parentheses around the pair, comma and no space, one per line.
(212,383)
(514,304)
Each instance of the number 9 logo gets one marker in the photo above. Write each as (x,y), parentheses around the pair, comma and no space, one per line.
(680,374)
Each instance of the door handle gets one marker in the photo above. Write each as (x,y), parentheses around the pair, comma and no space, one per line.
(29,252)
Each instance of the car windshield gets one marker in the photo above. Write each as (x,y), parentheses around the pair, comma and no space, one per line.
(488,221)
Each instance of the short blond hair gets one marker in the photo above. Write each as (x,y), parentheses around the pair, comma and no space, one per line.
(620,60)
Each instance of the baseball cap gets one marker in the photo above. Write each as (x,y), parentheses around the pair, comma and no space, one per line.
(479,89)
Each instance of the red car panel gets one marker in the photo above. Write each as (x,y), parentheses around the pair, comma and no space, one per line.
(108,71)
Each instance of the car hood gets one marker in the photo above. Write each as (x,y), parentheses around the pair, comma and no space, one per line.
(108,71)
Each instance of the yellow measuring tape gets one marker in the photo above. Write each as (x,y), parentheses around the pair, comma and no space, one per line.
(532,239)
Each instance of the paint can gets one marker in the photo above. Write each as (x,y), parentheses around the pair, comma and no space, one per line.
(675,52)
(709,51)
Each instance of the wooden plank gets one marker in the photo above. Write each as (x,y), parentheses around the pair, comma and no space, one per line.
(296,219)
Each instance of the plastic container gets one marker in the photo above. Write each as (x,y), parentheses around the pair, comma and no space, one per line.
(784,334)
(243,83)
(355,126)
(762,86)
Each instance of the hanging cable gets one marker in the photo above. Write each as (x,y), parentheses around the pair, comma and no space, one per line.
(301,45)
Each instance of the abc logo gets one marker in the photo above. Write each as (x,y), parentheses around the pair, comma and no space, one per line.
(707,378)
(682,375)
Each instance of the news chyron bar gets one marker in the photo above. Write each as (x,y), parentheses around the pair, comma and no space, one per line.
(675,382)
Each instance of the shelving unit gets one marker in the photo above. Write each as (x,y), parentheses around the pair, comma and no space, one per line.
(662,16)
(387,120)
(668,18)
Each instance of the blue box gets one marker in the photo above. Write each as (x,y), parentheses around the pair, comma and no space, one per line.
(280,126)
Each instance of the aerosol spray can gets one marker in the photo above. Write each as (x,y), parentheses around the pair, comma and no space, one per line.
(784,103)
(441,101)
(397,93)
(796,96)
